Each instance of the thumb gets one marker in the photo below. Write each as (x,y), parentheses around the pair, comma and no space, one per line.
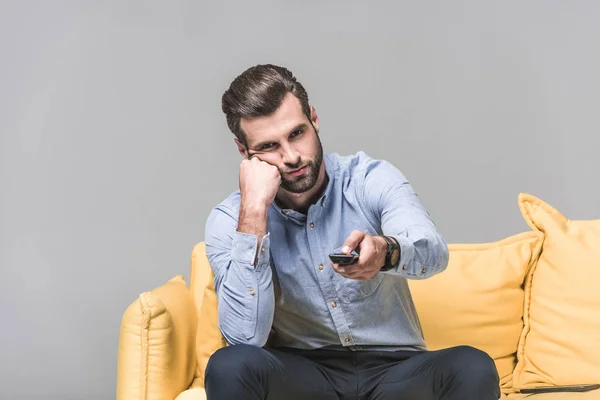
(352,241)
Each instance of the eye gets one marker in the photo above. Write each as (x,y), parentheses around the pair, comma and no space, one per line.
(296,133)
(267,146)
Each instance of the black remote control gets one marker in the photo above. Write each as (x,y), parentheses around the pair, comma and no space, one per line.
(343,259)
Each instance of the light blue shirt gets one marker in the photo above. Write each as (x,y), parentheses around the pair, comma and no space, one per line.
(295,290)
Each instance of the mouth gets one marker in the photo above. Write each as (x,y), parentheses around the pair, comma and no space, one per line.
(298,172)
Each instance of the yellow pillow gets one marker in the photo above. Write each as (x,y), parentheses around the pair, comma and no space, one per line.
(478,299)
(158,333)
(560,344)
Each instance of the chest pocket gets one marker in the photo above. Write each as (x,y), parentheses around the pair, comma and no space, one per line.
(351,290)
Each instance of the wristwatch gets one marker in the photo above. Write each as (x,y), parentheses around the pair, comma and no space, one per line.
(392,255)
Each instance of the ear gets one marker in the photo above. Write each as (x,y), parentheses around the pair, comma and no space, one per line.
(241,148)
(314,118)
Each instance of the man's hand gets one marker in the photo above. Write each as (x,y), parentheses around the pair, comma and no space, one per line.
(370,260)
(259,182)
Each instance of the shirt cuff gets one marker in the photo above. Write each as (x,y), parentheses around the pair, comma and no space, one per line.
(406,265)
(245,245)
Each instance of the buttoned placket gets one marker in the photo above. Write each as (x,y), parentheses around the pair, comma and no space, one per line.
(320,259)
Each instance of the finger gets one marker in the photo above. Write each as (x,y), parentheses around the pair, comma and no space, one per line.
(367,250)
(353,275)
(352,241)
(341,269)
(354,271)
(338,269)
(347,271)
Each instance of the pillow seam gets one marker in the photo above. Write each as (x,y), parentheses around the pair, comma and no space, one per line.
(144,340)
(519,367)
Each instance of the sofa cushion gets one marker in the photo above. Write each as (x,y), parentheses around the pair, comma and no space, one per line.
(478,299)
(158,334)
(560,344)
(192,394)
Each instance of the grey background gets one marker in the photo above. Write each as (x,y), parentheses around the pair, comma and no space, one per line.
(113,147)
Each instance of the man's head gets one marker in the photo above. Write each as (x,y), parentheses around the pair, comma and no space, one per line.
(269,113)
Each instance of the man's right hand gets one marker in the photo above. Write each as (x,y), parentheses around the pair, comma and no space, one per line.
(259,183)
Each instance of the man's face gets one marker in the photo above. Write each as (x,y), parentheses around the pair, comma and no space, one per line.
(288,140)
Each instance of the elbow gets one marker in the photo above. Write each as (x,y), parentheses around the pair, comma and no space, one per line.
(430,254)
(439,254)
(443,255)
(238,337)
(236,328)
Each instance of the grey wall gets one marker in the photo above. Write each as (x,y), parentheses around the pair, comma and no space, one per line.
(113,147)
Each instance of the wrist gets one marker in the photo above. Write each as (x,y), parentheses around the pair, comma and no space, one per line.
(254,208)
(392,253)
(252,219)
(381,250)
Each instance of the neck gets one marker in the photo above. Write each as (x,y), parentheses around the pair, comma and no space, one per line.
(301,201)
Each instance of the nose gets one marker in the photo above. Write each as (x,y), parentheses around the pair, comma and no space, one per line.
(289,155)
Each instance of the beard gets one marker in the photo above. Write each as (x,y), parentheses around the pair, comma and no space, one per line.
(307,181)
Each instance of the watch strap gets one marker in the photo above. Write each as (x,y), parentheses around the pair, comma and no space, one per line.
(391,244)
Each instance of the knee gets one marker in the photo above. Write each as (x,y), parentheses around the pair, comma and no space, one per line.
(475,366)
(236,361)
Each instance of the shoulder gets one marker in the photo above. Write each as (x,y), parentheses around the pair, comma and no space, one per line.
(361,166)
(349,164)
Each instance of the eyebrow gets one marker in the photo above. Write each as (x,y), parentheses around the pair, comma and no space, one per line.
(300,126)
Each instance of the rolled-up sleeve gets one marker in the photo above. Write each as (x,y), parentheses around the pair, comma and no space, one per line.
(244,292)
(393,202)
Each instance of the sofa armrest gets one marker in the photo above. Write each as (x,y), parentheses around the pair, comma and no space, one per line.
(157,356)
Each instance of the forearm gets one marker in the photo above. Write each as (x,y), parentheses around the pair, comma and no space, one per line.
(253,221)
(394,203)
(238,252)
(245,297)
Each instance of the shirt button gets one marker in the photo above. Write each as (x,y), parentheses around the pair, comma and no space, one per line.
(321,267)
(423,271)
(347,339)
(404,267)
(262,249)
(286,212)
(252,292)
(312,225)
(333,304)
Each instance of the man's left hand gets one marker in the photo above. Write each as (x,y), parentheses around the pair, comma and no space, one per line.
(371,256)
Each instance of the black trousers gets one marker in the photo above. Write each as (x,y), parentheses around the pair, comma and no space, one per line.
(244,372)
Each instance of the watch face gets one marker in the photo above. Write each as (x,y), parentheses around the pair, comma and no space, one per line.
(394,257)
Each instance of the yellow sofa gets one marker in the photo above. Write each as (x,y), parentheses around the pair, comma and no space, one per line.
(531,301)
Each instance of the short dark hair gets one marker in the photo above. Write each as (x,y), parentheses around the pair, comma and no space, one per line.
(258,92)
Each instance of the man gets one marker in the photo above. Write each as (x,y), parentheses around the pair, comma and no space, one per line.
(334,331)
